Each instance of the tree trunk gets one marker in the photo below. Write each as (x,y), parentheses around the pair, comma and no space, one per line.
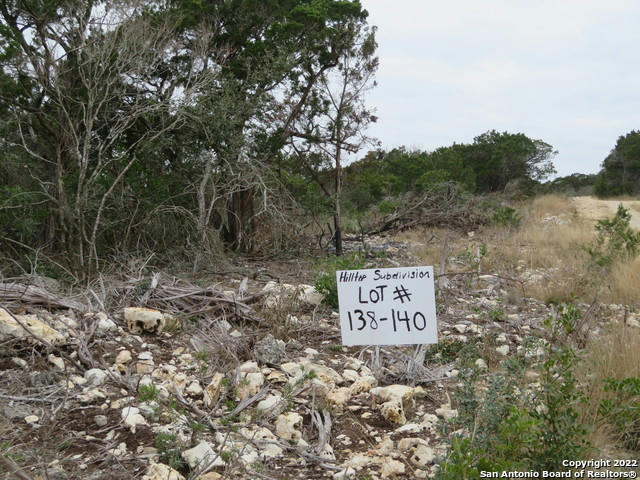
(336,217)
(240,213)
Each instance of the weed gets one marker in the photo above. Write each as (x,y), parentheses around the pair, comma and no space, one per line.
(148,393)
(514,426)
(608,363)
(496,314)
(326,282)
(169,450)
(445,351)
(387,206)
(202,356)
(142,286)
(507,217)
(64,445)
(198,427)
(290,390)
(196,430)
(623,410)
(614,240)
(474,259)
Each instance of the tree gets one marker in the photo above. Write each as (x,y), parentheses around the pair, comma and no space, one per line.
(280,52)
(497,158)
(93,94)
(334,122)
(620,173)
(176,108)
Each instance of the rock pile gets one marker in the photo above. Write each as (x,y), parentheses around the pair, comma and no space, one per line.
(130,397)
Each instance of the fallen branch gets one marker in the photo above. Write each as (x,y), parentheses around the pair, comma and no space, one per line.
(441,206)
(17,294)
(182,298)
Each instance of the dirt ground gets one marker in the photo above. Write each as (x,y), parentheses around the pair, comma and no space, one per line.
(595,209)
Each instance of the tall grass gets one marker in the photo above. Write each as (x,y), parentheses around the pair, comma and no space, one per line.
(623,283)
(614,355)
(548,251)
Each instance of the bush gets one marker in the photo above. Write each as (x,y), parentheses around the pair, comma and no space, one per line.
(615,240)
(623,410)
(169,451)
(326,282)
(514,425)
(507,217)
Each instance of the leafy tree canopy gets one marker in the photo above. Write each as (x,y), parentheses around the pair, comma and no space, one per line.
(620,174)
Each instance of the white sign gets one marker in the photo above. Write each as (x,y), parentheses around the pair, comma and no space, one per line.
(387,306)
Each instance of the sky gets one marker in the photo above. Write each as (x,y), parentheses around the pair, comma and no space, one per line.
(562,71)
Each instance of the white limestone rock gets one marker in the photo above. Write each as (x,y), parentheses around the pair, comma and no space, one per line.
(503,350)
(403,393)
(270,404)
(345,474)
(339,397)
(446,413)
(123,357)
(31,419)
(287,427)
(481,364)
(363,384)
(145,363)
(391,468)
(105,326)
(20,362)
(393,411)
(350,375)
(213,390)
(141,320)
(160,471)
(202,456)
(95,377)
(132,418)
(92,395)
(194,389)
(31,329)
(55,360)
(277,293)
(248,384)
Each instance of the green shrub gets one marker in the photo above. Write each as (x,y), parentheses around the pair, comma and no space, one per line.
(507,217)
(147,393)
(387,206)
(326,282)
(615,240)
(623,410)
(169,451)
(445,351)
(514,426)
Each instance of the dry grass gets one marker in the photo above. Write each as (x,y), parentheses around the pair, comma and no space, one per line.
(623,283)
(539,245)
(433,241)
(546,205)
(548,251)
(616,354)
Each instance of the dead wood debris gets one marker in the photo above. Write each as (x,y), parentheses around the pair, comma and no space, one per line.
(183,298)
(13,295)
(166,294)
(442,206)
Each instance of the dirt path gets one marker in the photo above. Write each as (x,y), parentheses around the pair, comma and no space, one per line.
(595,209)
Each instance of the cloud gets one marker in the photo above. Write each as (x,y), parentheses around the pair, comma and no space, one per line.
(555,70)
